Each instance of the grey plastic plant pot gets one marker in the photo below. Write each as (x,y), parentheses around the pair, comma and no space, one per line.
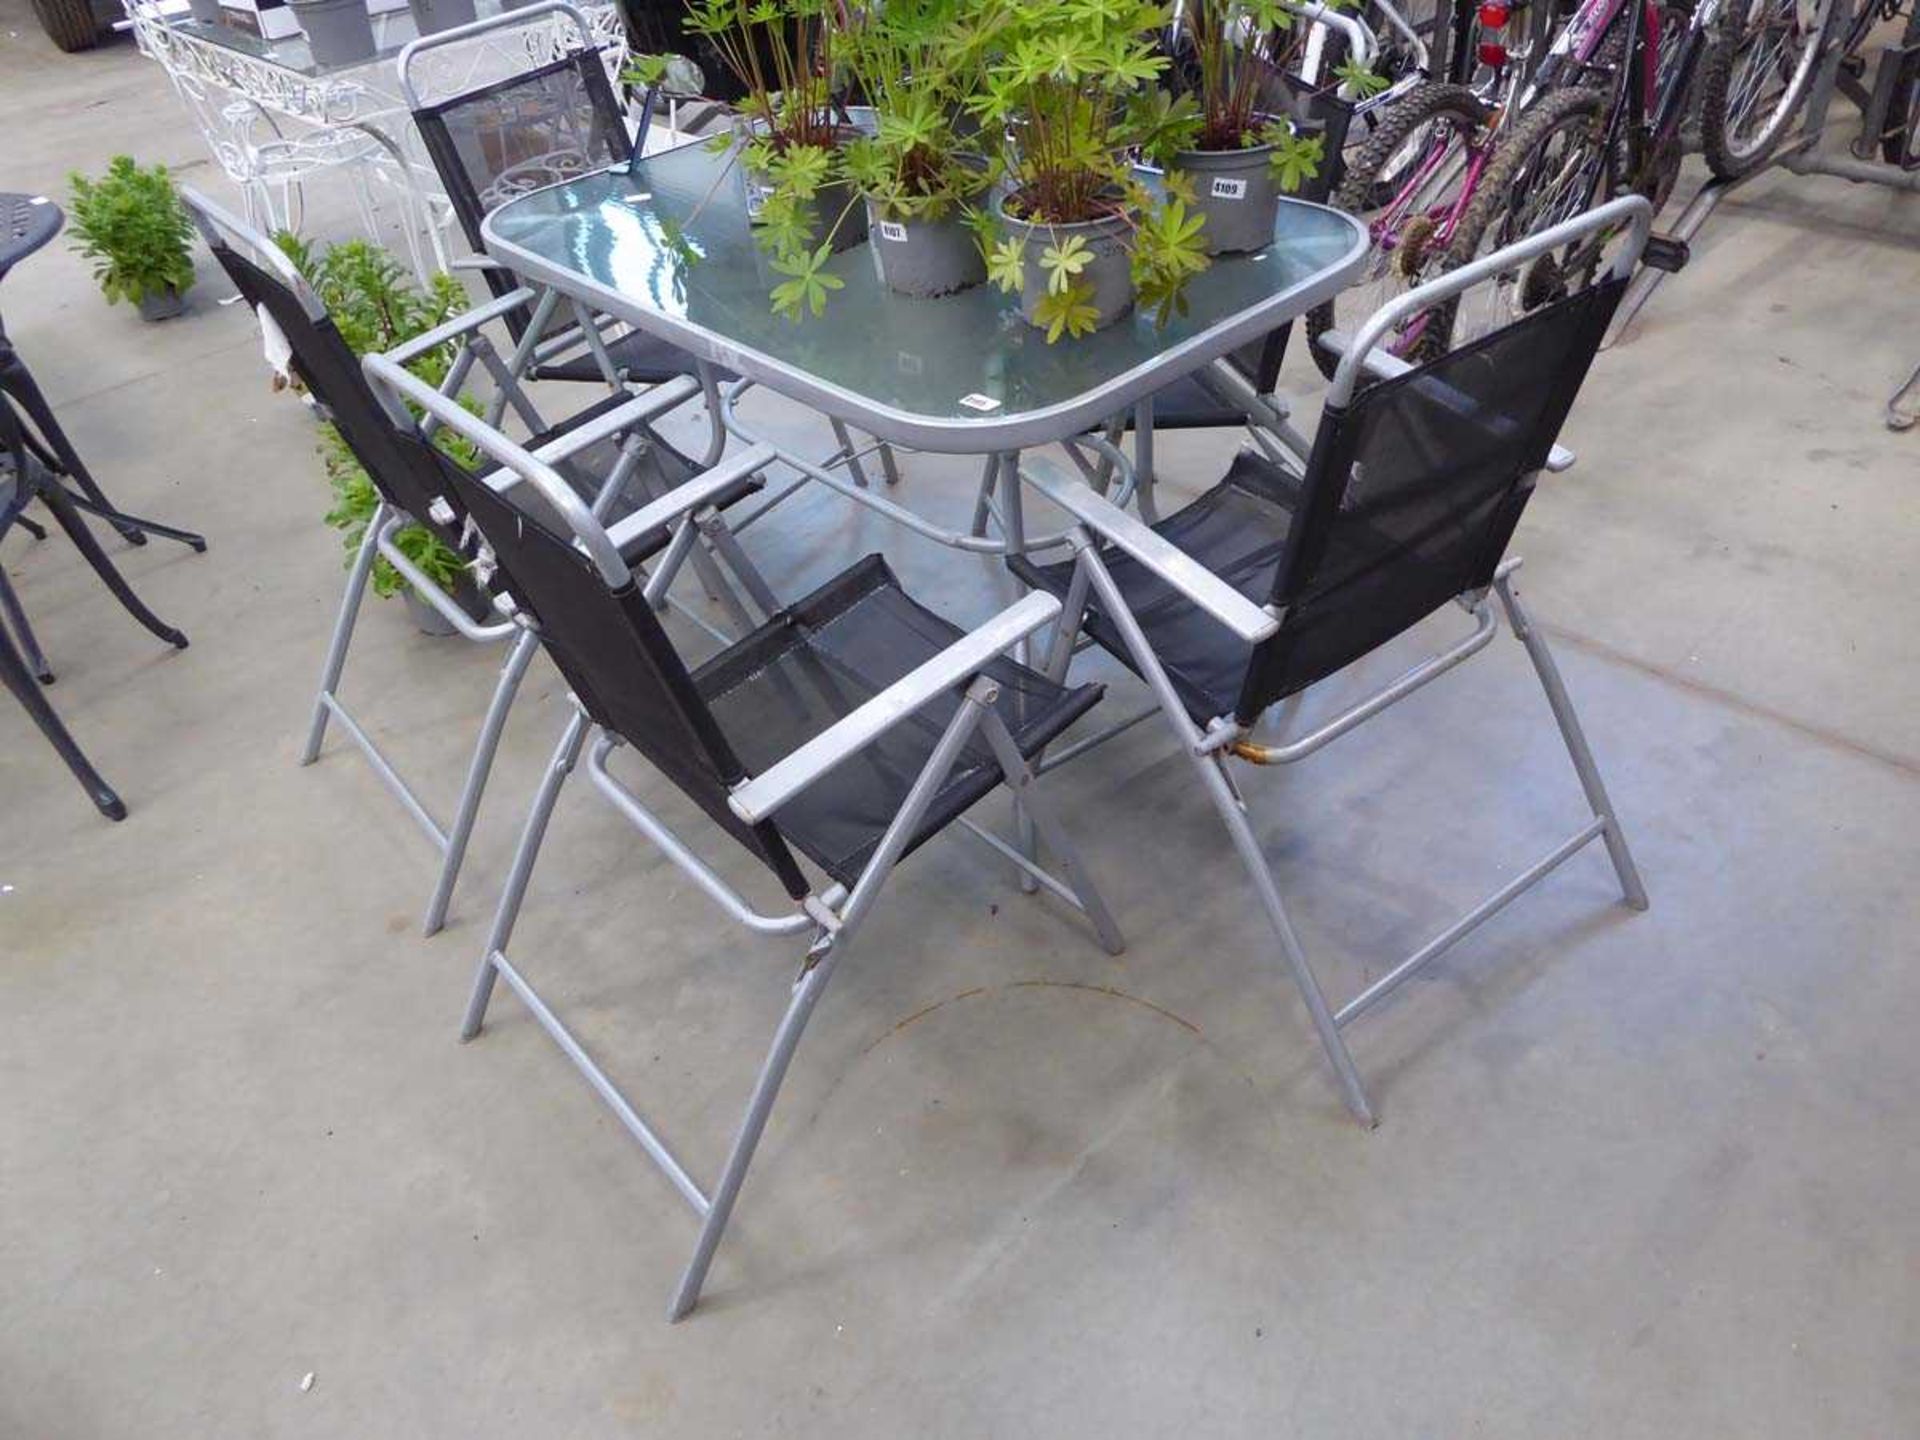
(339,32)
(430,17)
(207,12)
(831,203)
(162,304)
(467,594)
(1237,193)
(928,258)
(1111,269)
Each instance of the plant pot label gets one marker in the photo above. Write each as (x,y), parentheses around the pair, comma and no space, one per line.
(893,230)
(1226,188)
(985,404)
(756,202)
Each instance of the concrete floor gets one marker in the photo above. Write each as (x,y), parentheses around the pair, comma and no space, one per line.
(1638,1175)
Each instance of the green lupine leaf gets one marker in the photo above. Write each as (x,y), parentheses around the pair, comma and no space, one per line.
(1068,312)
(1296,159)
(1062,263)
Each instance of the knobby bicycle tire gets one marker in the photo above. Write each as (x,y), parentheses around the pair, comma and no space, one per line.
(1358,190)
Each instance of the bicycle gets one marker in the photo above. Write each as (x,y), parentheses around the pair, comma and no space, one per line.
(1602,116)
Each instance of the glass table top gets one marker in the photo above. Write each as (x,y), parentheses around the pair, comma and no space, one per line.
(963,372)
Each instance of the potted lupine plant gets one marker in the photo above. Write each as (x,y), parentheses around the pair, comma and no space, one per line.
(798,194)
(1239,149)
(1071,95)
(916,62)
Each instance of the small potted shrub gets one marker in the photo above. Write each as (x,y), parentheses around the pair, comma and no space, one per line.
(916,62)
(1068,99)
(782,53)
(1237,150)
(375,306)
(136,232)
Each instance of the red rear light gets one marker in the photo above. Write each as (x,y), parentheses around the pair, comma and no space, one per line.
(1492,54)
(1494,16)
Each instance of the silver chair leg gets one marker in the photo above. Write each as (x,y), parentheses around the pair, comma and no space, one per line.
(773,1072)
(343,630)
(1213,778)
(1234,816)
(845,439)
(889,464)
(1576,741)
(1037,814)
(565,756)
(983,502)
(461,830)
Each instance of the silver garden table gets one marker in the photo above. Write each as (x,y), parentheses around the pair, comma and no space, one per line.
(962,375)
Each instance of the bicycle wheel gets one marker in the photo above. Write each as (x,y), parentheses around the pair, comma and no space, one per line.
(1900,135)
(1552,165)
(1415,172)
(1754,78)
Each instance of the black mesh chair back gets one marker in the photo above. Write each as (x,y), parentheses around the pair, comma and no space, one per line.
(619,662)
(530,130)
(1414,489)
(329,369)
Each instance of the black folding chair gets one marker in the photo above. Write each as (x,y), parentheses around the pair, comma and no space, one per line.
(1268,583)
(28,473)
(1240,389)
(848,730)
(606,453)
(535,128)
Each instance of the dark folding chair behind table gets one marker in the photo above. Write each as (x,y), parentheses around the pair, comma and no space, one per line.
(28,473)
(1239,390)
(606,453)
(1269,583)
(538,127)
(849,729)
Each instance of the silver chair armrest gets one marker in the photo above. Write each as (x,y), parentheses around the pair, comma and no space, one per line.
(848,736)
(637,411)
(462,324)
(394,383)
(1165,559)
(1384,366)
(690,495)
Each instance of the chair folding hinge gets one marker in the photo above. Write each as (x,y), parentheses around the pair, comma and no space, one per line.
(822,914)
(1221,734)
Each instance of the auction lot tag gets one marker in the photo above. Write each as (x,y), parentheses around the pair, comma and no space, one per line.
(1226,189)
(893,230)
(985,404)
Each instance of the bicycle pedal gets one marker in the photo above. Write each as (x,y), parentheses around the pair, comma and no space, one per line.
(1664,252)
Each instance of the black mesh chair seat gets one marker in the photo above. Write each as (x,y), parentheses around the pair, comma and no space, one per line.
(1238,530)
(663,468)
(823,657)
(642,358)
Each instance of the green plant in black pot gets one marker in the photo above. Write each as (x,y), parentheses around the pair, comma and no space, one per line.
(136,232)
(375,305)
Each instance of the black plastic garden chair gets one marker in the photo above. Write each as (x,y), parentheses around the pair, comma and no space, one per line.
(1268,583)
